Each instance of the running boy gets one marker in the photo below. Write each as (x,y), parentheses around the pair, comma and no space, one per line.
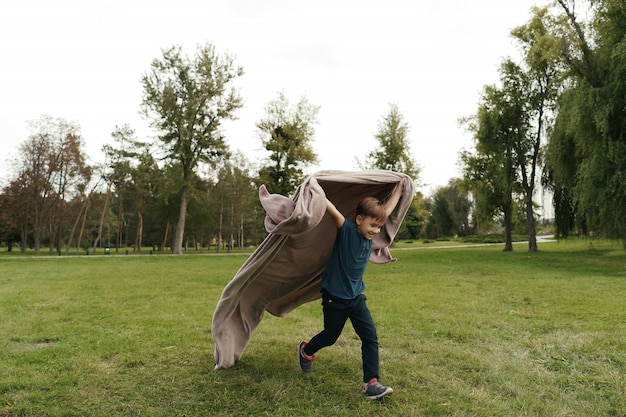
(342,288)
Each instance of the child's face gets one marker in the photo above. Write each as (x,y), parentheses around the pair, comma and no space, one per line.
(368,226)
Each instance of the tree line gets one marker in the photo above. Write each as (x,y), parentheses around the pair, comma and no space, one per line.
(555,119)
(186,189)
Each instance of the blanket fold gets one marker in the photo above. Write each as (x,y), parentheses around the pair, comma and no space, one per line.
(285,271)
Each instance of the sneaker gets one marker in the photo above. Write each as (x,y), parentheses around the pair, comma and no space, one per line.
(374,390)
(306,361)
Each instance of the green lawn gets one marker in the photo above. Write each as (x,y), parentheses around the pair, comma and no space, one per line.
(463,332)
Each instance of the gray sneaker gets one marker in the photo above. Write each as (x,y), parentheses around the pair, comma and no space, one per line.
(374,390)
(306,363)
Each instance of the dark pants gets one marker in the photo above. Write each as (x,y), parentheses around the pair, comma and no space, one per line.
(336,312)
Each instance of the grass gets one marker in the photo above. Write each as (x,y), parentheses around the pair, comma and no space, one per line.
(463,332)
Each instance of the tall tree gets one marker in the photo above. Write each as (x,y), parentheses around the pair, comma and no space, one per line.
(540,78)
(490,171)
(52,168)
(104,175)
(143,187)
(287,132)
(590,126)
(235,189)
(512,125)
(393,152)
(81,218)
(187,99)
(122,159)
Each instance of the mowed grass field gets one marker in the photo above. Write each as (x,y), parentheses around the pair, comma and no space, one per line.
(463,332)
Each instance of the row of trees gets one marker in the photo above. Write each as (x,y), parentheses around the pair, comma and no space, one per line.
(186,188)
(558,116)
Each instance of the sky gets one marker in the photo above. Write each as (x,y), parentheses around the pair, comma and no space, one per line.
(82,60)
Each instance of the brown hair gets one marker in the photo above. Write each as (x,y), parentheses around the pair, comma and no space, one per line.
(372,207)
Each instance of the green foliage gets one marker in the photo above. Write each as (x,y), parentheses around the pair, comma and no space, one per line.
(587,151)
(449,211)
(393,152)
(463,332)
(125,176)
(187,100)
(490,172)
(52,169)
(239,220)
(287,133)
(415,220)
(510,126)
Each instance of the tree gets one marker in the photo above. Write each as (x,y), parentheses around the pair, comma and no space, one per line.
(589,180)
(393,152)
(541,81)
(440,223)
(143,187)
(287,134)
(235,190)
(415,220)
(81,218)
(14,219)
(490,171)
(187,100)
(121,160)
(105,208)
(450,209)
(511,126)
(52,170)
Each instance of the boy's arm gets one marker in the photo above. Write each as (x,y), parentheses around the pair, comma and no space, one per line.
(335,214)
(393,199)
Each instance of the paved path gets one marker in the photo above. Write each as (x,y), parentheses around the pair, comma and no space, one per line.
(540,239)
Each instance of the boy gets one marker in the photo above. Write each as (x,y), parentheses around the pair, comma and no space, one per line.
(342,287)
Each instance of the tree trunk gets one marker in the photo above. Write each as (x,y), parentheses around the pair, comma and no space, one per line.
(221,220)
(82,226)
(177,245)
(530,224)
(138,239)
(104,210)
(37,231)
(242,241)
(58,238)
(167,232)
(120,216)
(52,236)
(80,213)
(23,236)
(508,226)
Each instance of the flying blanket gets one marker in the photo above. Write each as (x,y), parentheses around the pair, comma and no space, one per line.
(285,271)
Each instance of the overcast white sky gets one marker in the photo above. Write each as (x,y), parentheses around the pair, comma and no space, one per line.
(82,60)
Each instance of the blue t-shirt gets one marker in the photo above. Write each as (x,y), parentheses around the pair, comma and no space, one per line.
(343,276)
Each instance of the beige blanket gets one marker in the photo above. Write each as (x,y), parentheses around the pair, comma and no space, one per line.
(285,271)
